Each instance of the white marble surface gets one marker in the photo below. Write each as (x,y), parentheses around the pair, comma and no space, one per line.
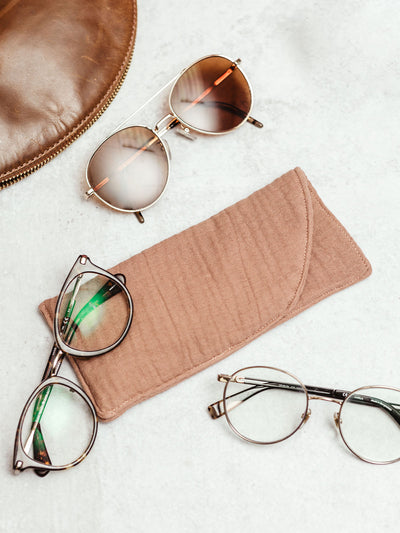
(326,81)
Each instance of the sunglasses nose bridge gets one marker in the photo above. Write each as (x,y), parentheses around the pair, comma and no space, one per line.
(165,124)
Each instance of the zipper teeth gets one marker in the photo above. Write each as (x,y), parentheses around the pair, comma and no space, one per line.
(10,181)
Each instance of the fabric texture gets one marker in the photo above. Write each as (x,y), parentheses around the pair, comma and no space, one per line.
(204,293)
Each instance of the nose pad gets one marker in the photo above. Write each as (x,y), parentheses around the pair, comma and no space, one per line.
(185,132)
(306,416)
(336,419)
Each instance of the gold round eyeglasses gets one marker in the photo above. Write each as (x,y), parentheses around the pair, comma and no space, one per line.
(266,405)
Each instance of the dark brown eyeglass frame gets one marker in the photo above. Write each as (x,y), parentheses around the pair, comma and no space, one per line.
(165,124)
(22,460)
(338,396)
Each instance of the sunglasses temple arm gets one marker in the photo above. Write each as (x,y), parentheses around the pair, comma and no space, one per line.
(139,216)
(235,110)
(255,122)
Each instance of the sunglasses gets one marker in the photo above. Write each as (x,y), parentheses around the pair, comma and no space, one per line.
(129,171)
(58,425)
(266,405)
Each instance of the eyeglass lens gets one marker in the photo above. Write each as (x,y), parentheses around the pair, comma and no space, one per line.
(268,406)
(130,169)
(212,96)
(58,426)
(370,424)
(94,312)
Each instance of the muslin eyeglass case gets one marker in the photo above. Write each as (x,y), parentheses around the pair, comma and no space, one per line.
(209,290)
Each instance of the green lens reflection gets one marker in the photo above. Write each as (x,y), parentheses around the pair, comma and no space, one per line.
(83,315)
(95,315)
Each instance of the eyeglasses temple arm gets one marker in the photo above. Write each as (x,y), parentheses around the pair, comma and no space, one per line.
(216,409)
(40,452)
(107,291)
(391,409)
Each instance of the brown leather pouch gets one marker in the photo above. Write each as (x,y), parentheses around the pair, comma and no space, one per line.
(204,293)
(61,64)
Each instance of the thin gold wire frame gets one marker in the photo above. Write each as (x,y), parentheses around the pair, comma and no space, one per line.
(216,413)
(339,425)
(226,410)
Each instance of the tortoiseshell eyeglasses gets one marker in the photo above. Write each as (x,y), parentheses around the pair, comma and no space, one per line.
(129,170)
(266,405)
(58,424)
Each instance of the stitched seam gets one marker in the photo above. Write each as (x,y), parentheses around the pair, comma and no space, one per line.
(327,292)
(93,110)
(340,226)
(306,244)
(219,355)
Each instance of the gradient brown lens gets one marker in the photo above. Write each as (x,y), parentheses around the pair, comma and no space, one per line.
(129,170)
(212,96)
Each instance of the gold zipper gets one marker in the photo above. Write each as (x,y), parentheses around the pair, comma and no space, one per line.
(15,179)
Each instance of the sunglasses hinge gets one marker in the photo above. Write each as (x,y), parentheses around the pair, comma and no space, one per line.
(165,124)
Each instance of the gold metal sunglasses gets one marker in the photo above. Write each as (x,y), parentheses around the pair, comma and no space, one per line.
(266,405)
(129,171)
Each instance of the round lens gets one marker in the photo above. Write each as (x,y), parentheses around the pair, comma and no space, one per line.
(129,170)
(94,312)
(212,96)
(58,426)
(265,405)
(370,424)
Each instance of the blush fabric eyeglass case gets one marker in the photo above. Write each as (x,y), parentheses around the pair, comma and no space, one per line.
(206,292)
